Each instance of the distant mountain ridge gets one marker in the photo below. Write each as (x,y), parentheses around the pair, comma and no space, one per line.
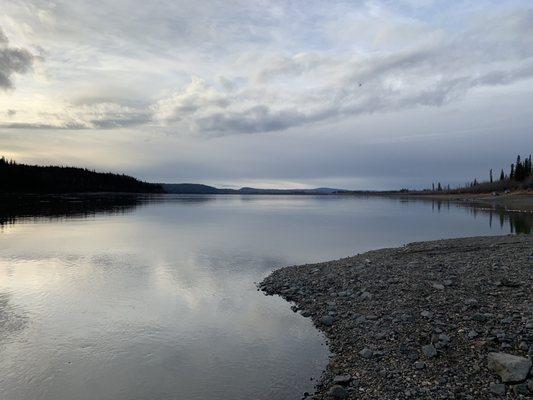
(36,179)
(195,188)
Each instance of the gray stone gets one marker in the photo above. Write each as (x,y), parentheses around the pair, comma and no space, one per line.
(519,389)
(472,334)
(444,338)
(328,320)
(342,379)
(480,317)
(498,389)
(426,314)
(366,353)
(429,350)
(366,296)
(438,286)
(510,368)
(530,385)
(338,392)
(420,365)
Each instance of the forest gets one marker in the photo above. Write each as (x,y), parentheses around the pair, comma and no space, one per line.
(518,177)
(23,178)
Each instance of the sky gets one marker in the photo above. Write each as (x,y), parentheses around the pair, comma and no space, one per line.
(349,94)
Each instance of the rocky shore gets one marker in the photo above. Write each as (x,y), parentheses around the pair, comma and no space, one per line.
(447,319)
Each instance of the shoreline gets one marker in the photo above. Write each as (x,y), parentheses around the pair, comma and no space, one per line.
(419,321)
(514,201)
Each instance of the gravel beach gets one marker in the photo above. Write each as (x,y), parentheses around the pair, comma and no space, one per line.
(447,319)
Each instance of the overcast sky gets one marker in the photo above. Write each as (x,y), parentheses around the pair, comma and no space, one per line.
(353,94)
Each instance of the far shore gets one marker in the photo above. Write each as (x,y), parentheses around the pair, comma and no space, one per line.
(514,201)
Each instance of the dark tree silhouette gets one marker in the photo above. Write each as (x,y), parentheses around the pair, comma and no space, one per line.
(22,178)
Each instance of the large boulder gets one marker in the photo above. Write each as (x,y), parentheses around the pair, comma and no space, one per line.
(510,368)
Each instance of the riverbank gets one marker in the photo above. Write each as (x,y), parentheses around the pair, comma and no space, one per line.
(419,321)
(516,201)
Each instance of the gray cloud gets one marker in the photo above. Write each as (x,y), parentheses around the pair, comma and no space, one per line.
(491,52)
(12,60)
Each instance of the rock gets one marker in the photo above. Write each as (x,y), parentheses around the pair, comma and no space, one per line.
(420,365)
(520,389)
(366,353)
(338,392)
(530,385)
(444,338)
(342,379)
(429,350)
(498,389)
(366,296)
(426,314)
(510,368)
(472,334)
(480,317)
(470,302)
(438,286)
(328,320)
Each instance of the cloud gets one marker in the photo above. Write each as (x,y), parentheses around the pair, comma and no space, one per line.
(12,60)
(86,116)
(340,62)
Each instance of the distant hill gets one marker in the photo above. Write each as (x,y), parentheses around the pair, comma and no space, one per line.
(194,188)
(22,178)
(189,188)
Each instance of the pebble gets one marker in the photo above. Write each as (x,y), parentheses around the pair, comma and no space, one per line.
(328,320)
(499,389)
(342,379)
(338,392)
(366,353)
(420,365)
(429,350)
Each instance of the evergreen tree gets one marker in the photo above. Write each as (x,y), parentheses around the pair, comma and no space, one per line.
(490,174)
(511,175)
(502,176)
(519,170)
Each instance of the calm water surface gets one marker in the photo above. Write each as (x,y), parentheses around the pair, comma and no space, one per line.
(155,299)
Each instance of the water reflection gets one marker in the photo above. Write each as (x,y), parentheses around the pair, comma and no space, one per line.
(518,221)
(12,320)
(18,208)
(24,208)
(153,297)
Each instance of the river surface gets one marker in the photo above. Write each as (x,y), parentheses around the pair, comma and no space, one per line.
(154,298)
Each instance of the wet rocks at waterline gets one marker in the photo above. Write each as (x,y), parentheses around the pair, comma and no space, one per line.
(449,319)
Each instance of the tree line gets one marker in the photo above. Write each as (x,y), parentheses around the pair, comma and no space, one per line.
(23,178)
(519,176)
